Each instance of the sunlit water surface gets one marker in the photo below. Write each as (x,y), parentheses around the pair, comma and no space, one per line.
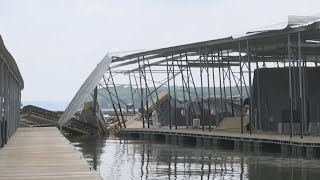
(121,159)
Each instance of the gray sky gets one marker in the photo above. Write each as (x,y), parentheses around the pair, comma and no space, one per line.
(57,43)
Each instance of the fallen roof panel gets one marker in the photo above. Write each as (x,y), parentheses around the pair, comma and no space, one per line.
(85,90)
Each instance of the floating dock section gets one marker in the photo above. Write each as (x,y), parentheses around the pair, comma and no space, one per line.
(43,153)
(308,147)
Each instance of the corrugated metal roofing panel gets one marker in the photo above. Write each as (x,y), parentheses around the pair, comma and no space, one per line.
(301,20)
(293,22)
(85,90)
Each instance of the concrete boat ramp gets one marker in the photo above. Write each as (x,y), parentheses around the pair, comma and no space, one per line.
(43,153)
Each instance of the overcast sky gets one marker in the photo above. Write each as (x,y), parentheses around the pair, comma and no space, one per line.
(57,43)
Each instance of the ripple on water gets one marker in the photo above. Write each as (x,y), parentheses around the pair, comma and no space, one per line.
(136,159)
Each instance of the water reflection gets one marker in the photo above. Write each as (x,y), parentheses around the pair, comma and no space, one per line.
(135,159)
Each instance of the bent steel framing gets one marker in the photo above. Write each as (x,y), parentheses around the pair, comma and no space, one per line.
(208,70)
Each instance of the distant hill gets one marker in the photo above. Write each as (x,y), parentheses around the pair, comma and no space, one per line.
(125,94)
(49,105)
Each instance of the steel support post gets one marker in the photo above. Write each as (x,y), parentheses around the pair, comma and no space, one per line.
(195,90)
(184,94)
(230,89)
(188,86)
(175,95)
(147,97)
(154,85)
(290,87)
(235,80)
(224,88)
(208,84)
(305,105)
(250,87)
(258,92)
(115,90)
(189,90)
(214,94)
(144,74)
(137,85)
(155,89)
(220,85)
(201,82)
(241,102)
(114,108)
(243,79)
(169,100)
(131,90)
(300,87)
(189,95)
(224,84)
(141,90)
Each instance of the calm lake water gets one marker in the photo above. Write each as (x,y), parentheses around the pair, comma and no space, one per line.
(132,158)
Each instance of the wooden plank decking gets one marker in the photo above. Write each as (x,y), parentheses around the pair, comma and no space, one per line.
(42,153)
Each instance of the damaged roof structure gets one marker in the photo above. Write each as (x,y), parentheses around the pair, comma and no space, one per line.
(221,63)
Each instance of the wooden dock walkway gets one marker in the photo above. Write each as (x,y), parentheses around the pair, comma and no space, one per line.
(43,153)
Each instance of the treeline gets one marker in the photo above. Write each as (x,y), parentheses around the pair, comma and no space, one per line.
(124,93)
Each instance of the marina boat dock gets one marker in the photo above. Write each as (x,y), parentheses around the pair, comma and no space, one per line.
(43,153)
(288,146)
